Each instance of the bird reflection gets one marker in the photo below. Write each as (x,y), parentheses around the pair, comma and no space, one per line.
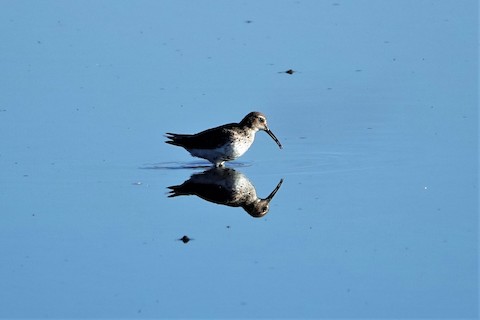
(228,187)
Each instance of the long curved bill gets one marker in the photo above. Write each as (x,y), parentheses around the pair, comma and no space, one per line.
(270,133)
(272,194)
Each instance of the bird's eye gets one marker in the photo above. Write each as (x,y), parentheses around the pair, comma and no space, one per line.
(262,120)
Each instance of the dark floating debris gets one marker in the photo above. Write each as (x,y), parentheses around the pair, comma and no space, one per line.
(185,239)
(289,71)
(248,21)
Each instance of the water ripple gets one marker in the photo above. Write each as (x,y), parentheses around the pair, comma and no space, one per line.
(176,165)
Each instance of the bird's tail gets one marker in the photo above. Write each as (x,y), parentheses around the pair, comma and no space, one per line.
(176,139)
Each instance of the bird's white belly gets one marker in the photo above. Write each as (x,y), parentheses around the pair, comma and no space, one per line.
(236,149)
(229,151)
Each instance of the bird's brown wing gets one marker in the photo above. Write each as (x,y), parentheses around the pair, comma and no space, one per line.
(208,139)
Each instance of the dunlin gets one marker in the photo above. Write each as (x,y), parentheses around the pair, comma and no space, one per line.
(223,143)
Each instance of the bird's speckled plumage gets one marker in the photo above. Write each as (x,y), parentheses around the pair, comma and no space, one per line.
(223,143)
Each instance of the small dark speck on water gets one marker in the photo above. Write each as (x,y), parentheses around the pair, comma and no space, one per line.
(248,21)
(290,71)
(185,239)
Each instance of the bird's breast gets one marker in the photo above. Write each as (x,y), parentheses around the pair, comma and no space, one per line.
(239,145)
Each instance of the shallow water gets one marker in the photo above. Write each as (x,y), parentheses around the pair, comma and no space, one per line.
(377,216)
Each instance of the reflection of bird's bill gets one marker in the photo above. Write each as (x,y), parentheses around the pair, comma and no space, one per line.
(270,133)
(272,194)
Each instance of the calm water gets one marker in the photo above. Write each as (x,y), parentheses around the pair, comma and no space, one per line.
(377,216)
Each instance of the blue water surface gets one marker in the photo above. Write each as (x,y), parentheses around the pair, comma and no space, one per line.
(377,216)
